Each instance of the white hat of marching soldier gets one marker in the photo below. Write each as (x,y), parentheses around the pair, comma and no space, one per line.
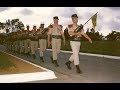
(42,23)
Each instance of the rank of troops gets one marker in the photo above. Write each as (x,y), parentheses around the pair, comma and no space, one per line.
(26,42)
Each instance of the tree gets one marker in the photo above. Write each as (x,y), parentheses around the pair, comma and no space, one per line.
(113,36)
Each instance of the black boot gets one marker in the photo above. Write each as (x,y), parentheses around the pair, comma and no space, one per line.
(68,65)
(56,64)
(52,59)
(78,69)
(41,58)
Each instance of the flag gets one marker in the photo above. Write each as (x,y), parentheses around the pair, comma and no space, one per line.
(94,21)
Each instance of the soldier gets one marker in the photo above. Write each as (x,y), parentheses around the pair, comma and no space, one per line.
(75,42)
(22,42)
(14,42)
(34,42)
(27,41)
(19,39)
(42,40)
(55,30)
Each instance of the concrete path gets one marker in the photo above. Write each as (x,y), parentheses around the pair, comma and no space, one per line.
(95,69)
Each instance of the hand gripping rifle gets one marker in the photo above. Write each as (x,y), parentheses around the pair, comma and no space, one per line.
(43,32)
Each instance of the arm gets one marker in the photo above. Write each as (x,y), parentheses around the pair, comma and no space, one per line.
(86,36)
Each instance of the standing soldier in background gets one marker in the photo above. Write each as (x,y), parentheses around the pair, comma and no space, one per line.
(19,39)
(34,42)
(22,42)
(14,41)
(42,40)
(55,30)
(27,41)
(75,42)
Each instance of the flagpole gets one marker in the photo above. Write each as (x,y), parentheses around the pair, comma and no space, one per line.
(89,19)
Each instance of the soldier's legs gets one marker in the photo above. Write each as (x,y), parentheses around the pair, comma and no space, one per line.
(42,44)
(25,46)
(55,51)
(13,47)
(75,56)
(36,47)
(29,43)
(58,45)
(75,46)
(33,49)
(21,46)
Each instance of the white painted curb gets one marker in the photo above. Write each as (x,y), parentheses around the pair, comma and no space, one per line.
(26,77)
(89,54)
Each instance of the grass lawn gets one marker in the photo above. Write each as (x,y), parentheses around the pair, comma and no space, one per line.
(5,62)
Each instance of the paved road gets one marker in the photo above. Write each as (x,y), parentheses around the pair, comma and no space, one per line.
(95,69)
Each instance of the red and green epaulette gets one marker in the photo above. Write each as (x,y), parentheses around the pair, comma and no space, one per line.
(70,25)
(50,26)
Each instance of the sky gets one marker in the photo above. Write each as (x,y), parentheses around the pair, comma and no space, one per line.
(108,18)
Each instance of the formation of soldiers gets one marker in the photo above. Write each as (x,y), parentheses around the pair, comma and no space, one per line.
(26,42)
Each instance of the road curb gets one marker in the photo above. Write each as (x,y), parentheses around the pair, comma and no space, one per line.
(26,77)
(89,54)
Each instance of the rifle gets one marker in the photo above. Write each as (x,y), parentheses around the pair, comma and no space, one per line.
(43,32)
(80,27)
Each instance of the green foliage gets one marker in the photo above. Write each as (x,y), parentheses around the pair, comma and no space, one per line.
(97,47)
(113,36)
(5,62)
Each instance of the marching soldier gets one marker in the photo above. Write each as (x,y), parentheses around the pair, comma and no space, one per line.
(55,30)
(14,41)
(27,41)
(19,39)
(75,42)
(42,40)
(34,41)
(22,42)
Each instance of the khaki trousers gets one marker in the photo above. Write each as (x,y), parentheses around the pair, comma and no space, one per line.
(21,46)
(34,46)
(42,46)
(27,45)
(75,46)
(56,45)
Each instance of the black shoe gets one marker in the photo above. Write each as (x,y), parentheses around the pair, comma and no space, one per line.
(78,69)
(52,60)
(68,65)
(41,58)
(56,64)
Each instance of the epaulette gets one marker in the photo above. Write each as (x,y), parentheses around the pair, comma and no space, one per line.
(70,25)
(50,26)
